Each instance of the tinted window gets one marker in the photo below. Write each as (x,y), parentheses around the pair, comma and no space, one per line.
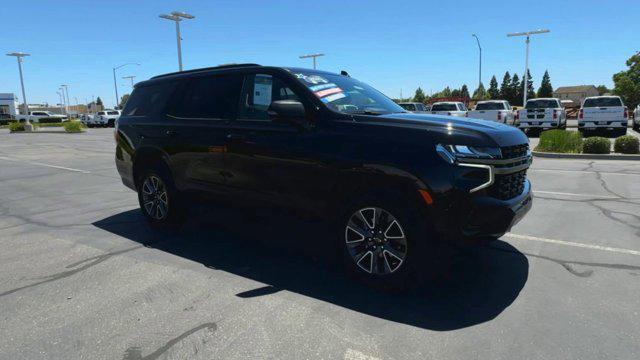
(208,97)
(462,107)
(146,99)
(258,92)
(490,106)
(542,104)
(410,107)
(444,107)
(602,102)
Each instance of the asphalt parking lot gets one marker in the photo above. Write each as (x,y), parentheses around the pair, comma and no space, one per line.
(83,277)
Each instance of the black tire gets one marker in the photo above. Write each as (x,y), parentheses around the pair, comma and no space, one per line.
(155,185)
(373,259)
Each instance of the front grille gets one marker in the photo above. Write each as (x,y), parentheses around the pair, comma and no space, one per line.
(508,186)
(515,151)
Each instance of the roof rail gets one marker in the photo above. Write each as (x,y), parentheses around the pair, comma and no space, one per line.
(223,66)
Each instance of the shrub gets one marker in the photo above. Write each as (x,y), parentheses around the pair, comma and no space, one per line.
(72,127)
(596,145)
(627,144)
(16,126)
(560,141)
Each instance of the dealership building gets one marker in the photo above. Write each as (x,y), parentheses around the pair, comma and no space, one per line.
(8,105)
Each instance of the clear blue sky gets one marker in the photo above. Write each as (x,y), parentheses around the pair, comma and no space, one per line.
(392,45)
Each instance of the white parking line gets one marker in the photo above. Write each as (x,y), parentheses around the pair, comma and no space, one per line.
(585,172)
(351,354)
(574,244)
(46,165)
(574,194)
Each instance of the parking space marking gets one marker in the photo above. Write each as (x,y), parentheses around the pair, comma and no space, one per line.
(574,244)
(351,354)
(46,165)
(586,172)
(574,194)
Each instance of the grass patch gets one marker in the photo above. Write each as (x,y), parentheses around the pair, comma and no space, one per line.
(560,141)
(73,126)
(627,144)
(596,145)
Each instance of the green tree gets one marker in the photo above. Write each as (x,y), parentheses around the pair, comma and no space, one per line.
(515,91)
(603,89)
(464,92)
(530,92)
(455,93)
(99,101)
(493,91)
(505,90)
(545,89)
(446,92)
(480,93)
(627,83)
(419,95)
(123,101)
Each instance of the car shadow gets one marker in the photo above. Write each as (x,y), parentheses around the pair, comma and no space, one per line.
(288,253)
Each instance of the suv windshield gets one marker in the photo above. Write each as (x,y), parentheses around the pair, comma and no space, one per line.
(444,107)
(542,104)
(347,95)
(490,106)
(602,102)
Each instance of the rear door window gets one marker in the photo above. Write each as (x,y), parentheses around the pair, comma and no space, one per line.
(208,97)
(258,91)
(602,102)
(148,99)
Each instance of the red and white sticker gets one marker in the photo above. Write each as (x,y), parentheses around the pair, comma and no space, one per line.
(323,93)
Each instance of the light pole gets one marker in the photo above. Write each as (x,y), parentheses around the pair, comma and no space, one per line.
(131,77)
(60,97)
(314,56)
(480,61)
(526,59)
(25,109)
(115,84)
(65,90)
(178,16)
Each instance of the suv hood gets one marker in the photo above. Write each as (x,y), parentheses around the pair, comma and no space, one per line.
(452,127)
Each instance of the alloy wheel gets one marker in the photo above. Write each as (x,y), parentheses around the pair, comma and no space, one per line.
(376,241)
(154,197)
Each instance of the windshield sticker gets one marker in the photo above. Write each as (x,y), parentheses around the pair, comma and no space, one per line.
(323,93)
(322,87)
(334,97)
(312,79)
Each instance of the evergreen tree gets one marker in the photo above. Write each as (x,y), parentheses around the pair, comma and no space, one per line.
(99,101)
(505,90)
(464,91)
(419,95)
(602,89)
(530,92)
(493,91)
(545,89)
(455,93)
(515,91)
(446,92)
(480,93)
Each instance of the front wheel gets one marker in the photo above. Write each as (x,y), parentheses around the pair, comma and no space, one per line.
(382,243)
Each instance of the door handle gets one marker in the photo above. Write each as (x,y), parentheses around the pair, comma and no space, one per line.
(235,136)
(171,133)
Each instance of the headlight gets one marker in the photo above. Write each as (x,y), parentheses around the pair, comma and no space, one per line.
(450,153)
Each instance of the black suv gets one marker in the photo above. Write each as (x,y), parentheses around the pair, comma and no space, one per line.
(395,186)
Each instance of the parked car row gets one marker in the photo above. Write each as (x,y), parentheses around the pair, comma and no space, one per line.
(42,116)
(106,118)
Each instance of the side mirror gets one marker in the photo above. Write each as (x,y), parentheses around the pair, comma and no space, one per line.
(291,111)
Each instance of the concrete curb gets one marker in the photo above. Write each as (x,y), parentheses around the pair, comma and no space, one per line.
(587,156)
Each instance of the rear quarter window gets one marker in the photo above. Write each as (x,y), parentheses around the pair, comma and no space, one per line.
(148,99)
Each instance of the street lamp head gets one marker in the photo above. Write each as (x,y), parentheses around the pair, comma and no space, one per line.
(527,33)
(181,14)
(170,17)
(18,54)
(310,56)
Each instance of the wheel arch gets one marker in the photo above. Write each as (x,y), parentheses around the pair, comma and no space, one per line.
(148,156)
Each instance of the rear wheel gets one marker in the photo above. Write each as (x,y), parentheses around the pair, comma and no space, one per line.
(159,201)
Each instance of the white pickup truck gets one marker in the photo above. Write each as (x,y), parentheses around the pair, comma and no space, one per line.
(36,116)
(636,118)
(542,114)
(451,108)
(603,112)
(106,118)
(494,110)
